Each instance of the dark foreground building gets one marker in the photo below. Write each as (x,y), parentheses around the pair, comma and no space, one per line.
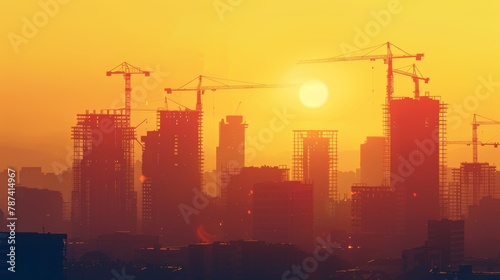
(37,256)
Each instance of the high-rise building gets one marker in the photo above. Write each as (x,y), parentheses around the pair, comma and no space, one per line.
(417,135)
(448,237)
(103,198)
(372,161)
(238,199)
(283,213)
(172,164)
(470,183)
(315,161)
(230,154)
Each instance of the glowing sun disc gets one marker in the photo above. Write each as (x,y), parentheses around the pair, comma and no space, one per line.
(313,94)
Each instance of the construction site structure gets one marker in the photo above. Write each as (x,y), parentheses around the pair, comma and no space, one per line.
(172,164)
(470,183)
(366,54)
(418,164)
(416,76)
(103,197)
(315,161)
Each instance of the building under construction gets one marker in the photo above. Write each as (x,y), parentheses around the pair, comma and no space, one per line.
(230,154)
(418,164)
(470,183)
(315,161)
(103,197)
(172,164)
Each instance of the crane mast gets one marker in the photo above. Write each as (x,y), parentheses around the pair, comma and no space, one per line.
(475,141)
(475,125)
(127,71)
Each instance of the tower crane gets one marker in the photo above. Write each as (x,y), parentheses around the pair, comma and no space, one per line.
(387,58)
(200,89)
(475,142)
(475,125)
(416,78)
(127,70)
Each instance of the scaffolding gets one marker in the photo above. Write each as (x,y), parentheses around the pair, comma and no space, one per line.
(103,163)
(200,148)
(455,197)
(387,146)
(301,159)
(444,191)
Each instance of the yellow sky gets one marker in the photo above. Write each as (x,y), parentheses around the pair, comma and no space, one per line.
(55,54)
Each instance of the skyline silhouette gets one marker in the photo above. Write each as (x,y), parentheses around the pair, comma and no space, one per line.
(250,140)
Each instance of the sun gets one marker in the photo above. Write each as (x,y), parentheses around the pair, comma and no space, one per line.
(313,94)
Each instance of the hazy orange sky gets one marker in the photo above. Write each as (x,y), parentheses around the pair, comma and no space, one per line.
(55,54)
